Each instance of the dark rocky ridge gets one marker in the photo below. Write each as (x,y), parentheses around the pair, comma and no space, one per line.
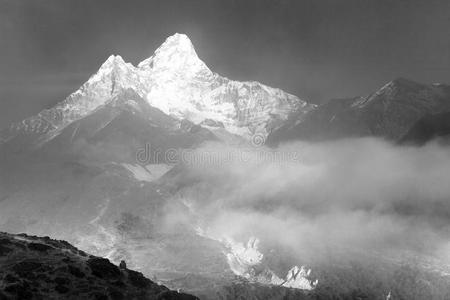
(41,268)
(388,113)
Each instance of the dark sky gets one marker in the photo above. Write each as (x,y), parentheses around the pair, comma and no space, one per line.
(316,49)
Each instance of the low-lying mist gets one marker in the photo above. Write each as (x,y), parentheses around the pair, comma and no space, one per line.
(356,194)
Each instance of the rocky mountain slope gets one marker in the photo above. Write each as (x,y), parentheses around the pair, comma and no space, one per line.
(41,268)
(428,128)
(388,113)
(115,132)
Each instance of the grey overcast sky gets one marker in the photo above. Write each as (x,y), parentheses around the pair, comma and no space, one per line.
(316,49)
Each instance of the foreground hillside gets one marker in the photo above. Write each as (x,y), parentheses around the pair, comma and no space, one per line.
(41,268)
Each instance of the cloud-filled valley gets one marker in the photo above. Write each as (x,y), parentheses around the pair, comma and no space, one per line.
(351,194)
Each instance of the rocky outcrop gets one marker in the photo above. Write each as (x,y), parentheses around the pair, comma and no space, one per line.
(41,268)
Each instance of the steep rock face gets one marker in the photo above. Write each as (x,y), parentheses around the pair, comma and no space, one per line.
(178,83)
(389,113)
(41,268)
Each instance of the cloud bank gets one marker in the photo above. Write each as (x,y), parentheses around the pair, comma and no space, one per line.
(351,195)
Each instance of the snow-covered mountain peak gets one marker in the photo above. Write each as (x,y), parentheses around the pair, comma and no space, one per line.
(176,54)
(112,61)
(177,82)
(177,45)
(112,74)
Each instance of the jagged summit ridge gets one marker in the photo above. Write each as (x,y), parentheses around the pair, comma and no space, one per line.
(177,82)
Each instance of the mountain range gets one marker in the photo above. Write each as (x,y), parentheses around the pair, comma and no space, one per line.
(176,84)
(94,170)
(173,81)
